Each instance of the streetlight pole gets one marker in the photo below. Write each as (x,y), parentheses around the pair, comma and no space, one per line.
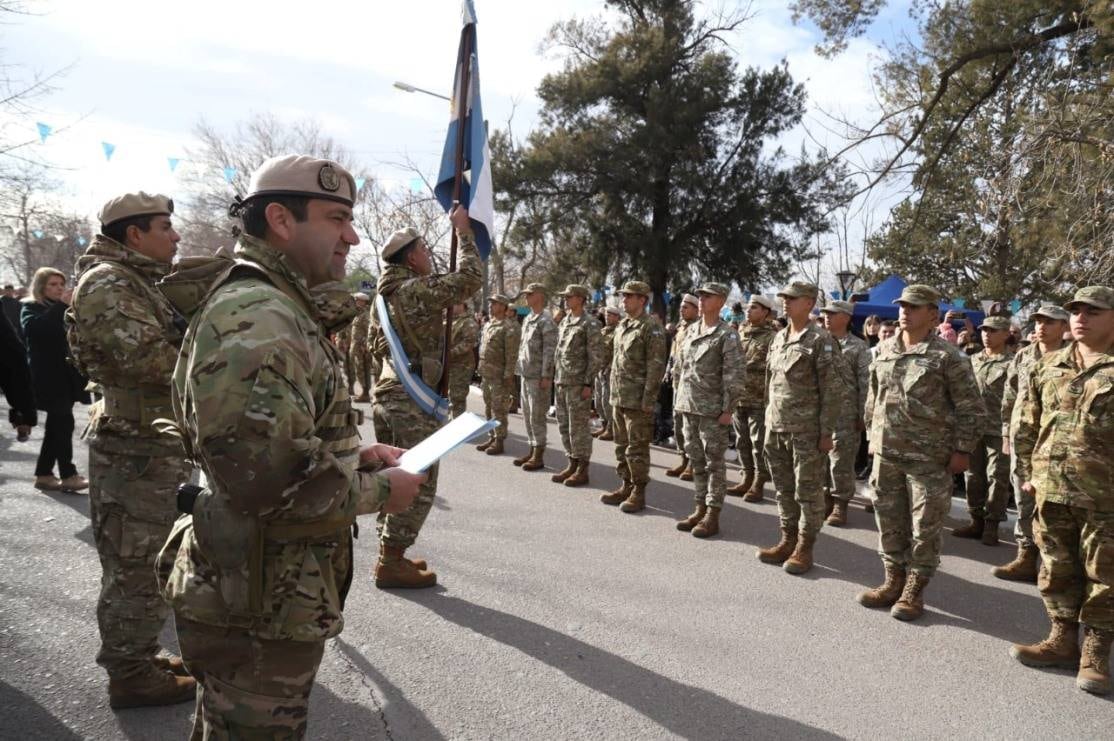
(847,280)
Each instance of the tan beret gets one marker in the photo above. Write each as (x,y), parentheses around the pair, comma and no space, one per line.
(130,205)
(302,175)
(361,296)
(397,241)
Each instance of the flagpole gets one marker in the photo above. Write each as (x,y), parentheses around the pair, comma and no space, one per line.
(464,62)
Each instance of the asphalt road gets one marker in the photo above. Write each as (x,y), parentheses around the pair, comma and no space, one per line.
(558,618)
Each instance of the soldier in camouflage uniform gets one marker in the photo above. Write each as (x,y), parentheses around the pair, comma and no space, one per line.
(1065,449)
(987,481)
(1050,324)
(612,315)
(804,403)
(416,299)
(257,575)
(358,354)
(711,383)
(462,358)
(498,355)
(344,343)
(922,414)
(124,335)
(749,418)
(577,362)
(690,315)
(535,368)
(855,369)
(636,372)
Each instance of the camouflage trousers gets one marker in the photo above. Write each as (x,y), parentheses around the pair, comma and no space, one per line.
(497,400)
(988,480)
(797,469)
(460,382)
(398,421)
(1076,578)
(132,507)
(911,500)
(841,462)
(706,445)
(1026,507)
(535,403)
(750,433)
(572,421)
(602,397)
(248,688)
(633,430)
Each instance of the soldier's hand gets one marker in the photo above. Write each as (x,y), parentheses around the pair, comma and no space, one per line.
(388,455)
(725,418)
(825,445)
(459,219)
(1029,488)
(959,462)
(404,487)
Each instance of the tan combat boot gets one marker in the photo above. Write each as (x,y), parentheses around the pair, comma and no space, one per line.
(536,461)
(170,664)
(777,554)
(486,443)
(496,447)
(607,434)
(910,606)
(395,571)
(709,526)
(838,516)
(687,524)
(150,687)
(523,458)
(580,476)
(990,532)
(1094,665)
(801,560)
(886,594)
(617,497)
(1060,649)
(569,470)
(679,468)
(755,493)
(73,483)
(636,502)
(1023,567)
(686,475)
(971,531)
(743,486)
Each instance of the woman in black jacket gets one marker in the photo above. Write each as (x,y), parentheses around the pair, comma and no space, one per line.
(57,384)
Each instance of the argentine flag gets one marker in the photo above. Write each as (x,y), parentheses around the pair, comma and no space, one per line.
(475,191)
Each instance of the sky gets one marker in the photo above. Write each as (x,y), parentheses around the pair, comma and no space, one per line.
(142,74)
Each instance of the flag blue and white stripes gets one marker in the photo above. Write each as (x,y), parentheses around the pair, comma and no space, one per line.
(476,193)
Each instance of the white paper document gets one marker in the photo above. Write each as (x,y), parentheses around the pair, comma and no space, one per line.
(447,439)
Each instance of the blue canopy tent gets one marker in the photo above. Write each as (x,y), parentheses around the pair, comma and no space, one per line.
(881,297)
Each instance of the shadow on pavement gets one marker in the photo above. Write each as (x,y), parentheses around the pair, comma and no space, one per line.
(401,718)
(21,717)
(688,711)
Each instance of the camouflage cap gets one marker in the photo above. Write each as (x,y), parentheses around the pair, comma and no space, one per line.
(995,322)
(1051,311)
(532,288)
(499,298)
(839,307)
(688,298)
(1100,297)
(399,240)
(918,294)
(134,204)
(762,301)
(714,289)
(637,288)
(302,175)
(614,310)
(574,289)
(798,289)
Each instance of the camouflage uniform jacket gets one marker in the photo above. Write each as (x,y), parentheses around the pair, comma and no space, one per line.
(462,353)
(124,335)
(803,380)
(579,354)
(537,346)
(924,402)
(713,373)
(638,364)
(608,333)
(991,372)
(1016,391)
(417,306)
(855,355)
(1065,435)
(499,349)
(261,403)
(358,330)
(756,347)
(677,352)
